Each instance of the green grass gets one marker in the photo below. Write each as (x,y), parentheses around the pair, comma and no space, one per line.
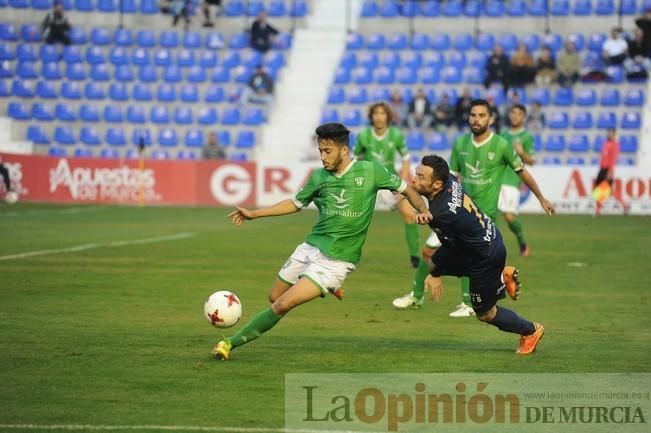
(117,336)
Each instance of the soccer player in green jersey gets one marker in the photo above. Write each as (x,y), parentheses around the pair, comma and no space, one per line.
(344,191)
(479,160)
(382,143)
(509,200)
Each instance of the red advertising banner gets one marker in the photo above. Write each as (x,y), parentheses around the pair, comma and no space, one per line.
(87,180)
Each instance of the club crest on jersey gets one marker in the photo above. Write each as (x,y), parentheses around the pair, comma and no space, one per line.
(340,200)
(491,155)
(359,180)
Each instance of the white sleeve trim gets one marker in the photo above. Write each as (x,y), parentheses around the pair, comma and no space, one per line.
(402,187)
(297,203)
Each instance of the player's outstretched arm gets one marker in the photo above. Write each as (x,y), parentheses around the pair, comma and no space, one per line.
(526,177)
(241,214)
(423,216)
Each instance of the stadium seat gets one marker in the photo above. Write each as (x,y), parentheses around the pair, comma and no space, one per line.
(159,115)
(277,8)
(352,118)
(368,60)
(141,92)
(336,95)
(48,53)
(185,58)
(8,32)
(420,41)
(438,141)
(30,33)
(369,9)
(4,90)
(42,112)
(167,137)
(631,120)
(538,8)
(456,59)
(582,120)
(118,92)
(119,56)
(51,70)
(516,8)
(90,136)
(407,76)
(607,120)
(72,54)
(452,9)
(25,53)
(147,74)
(363,75)
(169,39)
(214,94)
(234,9)
(116,137)
(553,41)
(183,115)
(113,114)
(88,113)
(245,139)
(628,143)
(634,98)
(207,116)
(596,41)
(558,121)
(582,8)
(100,37)
(95,55)
(555,143)
(532,41)
(329,115)
(70,90)
(383,75)
(189,93)
(586,98)
(541,95)
(162,57)
(398,41)
(575,160)
(605,7)
(375,41)
(578,40)
(27,70)
(358,95)
(64,135)
(224,138)
(123,73)
(415,141)
(44,90)
(231,116)
(239,41)
(220,75)
(109,154)
(579,143)
(122,37)
(440,42)
(451,75)
(141,135)
(37,134)
(166,92)
(135,114)
(57,152)
(610,98)
(41,4)
(22,89)
(186,155)
(412,59)
(160,155)
(78,36)
(231,59)
(193,138)
(208,59)
(615,74)
(140,56)
(192,40)
(560,8)
(473,8)
(76,72)
(18,111)
(214,41)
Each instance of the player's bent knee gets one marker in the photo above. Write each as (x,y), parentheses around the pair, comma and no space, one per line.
(280,306)
(487,316)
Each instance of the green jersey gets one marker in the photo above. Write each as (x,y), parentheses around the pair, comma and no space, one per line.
(346,203)
(482,168)
(526,140)
(383,149)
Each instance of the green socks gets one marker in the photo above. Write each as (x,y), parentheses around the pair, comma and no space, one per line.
(413,239)
(418,285)
(465,290)
(261,323)
(516,228)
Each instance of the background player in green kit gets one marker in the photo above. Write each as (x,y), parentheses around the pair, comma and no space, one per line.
(344,191)
(478,160)
(509,201)
(382,143)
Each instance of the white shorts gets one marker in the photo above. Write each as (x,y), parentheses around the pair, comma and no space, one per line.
(509,201)
(433,241)
(307,261)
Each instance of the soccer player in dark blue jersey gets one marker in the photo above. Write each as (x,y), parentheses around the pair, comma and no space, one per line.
(471,246)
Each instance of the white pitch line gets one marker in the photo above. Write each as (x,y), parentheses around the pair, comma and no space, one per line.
(92,246)
(76,427)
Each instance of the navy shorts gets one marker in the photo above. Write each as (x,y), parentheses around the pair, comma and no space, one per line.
(486,286)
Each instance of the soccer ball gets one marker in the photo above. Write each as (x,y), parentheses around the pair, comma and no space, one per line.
(223,309)
(11,197)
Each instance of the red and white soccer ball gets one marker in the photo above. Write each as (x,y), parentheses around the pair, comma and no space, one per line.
(223,309)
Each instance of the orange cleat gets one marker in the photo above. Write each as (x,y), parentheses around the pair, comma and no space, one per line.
(528,343)
(512,282)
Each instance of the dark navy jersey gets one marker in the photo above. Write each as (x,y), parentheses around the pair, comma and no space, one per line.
(461,225)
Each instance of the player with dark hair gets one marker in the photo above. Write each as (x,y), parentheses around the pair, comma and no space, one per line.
(471,246)
(344,191)
(382,143)
(509,200)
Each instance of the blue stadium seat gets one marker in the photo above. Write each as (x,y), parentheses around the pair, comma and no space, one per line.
(140,56)
(430,9)
(383,75)
(189,93)
(438,141)
(8,32)
(398,41)
(494,9)
(116,137)
(241,157)
(348,60)
(123,37)
(357,95)
(352,118)
(207,116)
(541,95)
(76,71)
(64,135)
(159,114)
(336,95)
(420,41)
(558,120)
(329,115)
(135,114)
(95,55)
(231,59)
(411,59)
(30,33)
(563,97)
(214,94)
(26,52)
(186,155)
(243,74)
(141,135)
(107,6)
(185,57)
(368,60)
(430,75)
(18,111)
(452,8)
(342,76)
(41,4)
(607,120)
(389,9)
(599,143)
(224,138)
(57,152)
(231,116)
(382,94)
(582,7)
(160,155)
(4,90)
(538,8)
(146,39)
(631,120)
(113,114)
(363,75)
(22,89)
(167,137)
(456,59)
(575,160)
(610,98)
(245,139)
(532,41)
(415,141)
(596,41)
(118,92)
(555,143)
(100,37)
(108,153)
(51,70)
(72,54)
(508,41)
(192,40)
(162,57)
(238,41)
(560,8)
(375,41)
(48,53)
(37,134)
(27,70)
(220,75)
(84,5)
(586,98)
(553,41)
(214,41)
(78,36)
(90,136)
(123,73)
(19,4)
(88,113)
(193,138)
(141,92)
(440,42)
(208,59)
(183,115)
(94,91)
(369,9)
(578,40)
(615,74)
(472,75)
(473,8)
(119,56)
(277,9)
(451,75)
(100,72)
(355,41)
(579,143)
(634,98)
(407,76)
(169,39)
(234,8)
(42,112)
(46,90)
(605,7)
(147,74)
(70,90)
(628,143)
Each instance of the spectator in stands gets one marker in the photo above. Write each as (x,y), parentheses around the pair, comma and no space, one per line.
(637,64)
(495,113)
(206,11)
(444,113)
(420,112)
(462,109)
(545,68)
(513,101)
(55,27)
(535,122)
(615,48)
(644,24)
(569,66)
(259,89)
(178,9)
(262,33)
(213,150)
(497,68)
(523,68)
(399,109)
